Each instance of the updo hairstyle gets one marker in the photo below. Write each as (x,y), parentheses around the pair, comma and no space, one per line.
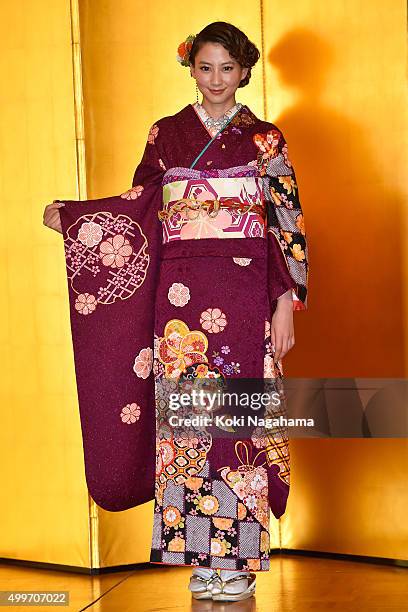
(233,40)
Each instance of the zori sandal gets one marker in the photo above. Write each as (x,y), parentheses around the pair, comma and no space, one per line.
(236,588)
(200,587)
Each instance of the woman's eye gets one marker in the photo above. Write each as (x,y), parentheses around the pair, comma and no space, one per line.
(226,68)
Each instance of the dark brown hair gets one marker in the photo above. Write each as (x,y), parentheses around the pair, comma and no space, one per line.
(233,40)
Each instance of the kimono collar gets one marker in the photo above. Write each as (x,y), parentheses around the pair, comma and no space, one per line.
(211,124)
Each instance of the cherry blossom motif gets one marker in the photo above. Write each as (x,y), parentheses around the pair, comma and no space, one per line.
(242,261)
(90,233)
(87,273)
(130,413)
(143,363)
(258,482)
(116,251)
(180,348)
(202,556)
(154,130)
(250,501)
(178,294)
(253,162)
(133,193)
(213,320)
(85,303)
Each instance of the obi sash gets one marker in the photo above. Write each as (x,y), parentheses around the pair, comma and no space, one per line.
(212,204)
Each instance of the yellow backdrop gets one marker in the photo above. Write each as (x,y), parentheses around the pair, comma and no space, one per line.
(76,108)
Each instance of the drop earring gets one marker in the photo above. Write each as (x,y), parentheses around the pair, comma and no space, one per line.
(196,92)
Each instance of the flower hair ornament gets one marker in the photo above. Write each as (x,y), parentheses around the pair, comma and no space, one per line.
(183,50)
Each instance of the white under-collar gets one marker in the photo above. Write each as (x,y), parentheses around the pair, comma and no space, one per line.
(214,125)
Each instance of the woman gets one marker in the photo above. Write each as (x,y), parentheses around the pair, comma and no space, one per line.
(191,275)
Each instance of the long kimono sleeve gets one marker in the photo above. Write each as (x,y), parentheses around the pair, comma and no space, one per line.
(285,221)
(112,249)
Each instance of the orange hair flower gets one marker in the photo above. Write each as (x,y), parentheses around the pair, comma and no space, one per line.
(183,50)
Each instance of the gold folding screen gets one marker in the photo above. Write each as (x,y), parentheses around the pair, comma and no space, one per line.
(336,85)
(76,109)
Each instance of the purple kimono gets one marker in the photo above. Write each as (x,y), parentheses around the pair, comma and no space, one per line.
(176,279)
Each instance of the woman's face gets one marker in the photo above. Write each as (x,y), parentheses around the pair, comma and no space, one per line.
(217,74)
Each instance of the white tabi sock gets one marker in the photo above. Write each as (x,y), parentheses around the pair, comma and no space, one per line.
(226,574)
(204,572)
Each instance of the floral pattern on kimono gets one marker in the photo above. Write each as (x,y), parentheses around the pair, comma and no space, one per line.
(284,211)
(206,512)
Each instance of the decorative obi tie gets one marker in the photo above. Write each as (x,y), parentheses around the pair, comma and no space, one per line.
(191,208)
(213,207)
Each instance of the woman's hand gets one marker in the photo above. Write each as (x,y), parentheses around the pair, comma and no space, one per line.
(282,329)
(51,216)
